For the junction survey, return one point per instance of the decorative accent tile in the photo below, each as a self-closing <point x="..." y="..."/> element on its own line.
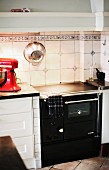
<point x="74" y="68"/>
<point x="34" y="37"/>
<point x="45" y="70"/>
<point x="92" y="53"/>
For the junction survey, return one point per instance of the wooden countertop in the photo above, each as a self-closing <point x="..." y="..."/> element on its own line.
<point x="26" y="91"/>
<point x="9" y="156"/>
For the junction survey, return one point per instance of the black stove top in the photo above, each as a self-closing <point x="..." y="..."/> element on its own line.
<point x="65" y="88"/>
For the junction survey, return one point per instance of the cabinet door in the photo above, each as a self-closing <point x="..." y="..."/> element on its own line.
<point x="13" y="106"/>
<point x="25" y="146"/>
<point x="16" y="125"/>
<point x="105" y="117"/>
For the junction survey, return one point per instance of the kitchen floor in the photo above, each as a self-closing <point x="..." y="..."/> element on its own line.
<point x="96" y="163"/>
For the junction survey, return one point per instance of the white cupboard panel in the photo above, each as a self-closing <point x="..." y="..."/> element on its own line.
<point x="30" y="163"/>
<point x="13" y="106"/>
<point x="25" y="146"/>
<point x="16" y="125"/>
<point x="105" y="117"/>
<point x="36" y="102"/>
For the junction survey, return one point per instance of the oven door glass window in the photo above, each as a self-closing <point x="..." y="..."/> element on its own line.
<point x="78" y="109"/>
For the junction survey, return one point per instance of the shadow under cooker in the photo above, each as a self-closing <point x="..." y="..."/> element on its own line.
<point x="76" y="134"/>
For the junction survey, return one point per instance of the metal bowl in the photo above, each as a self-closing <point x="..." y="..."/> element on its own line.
<point x="34" y="52"/>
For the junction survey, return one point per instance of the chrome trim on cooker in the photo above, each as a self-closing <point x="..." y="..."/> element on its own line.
<point x="79" y="101"/>
<point x="80" y="93"/>
<point x="98" y="118"/>
<point x="65" y="94"/>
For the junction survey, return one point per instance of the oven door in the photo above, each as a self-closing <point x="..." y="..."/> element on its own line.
<point x="80" y="108"/>
<point x="80" y="116"/>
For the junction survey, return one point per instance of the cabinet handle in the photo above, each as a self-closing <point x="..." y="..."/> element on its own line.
<point x="80" y="101"/>
<point x="90" y="133"/>
<point x="61" y="130"/>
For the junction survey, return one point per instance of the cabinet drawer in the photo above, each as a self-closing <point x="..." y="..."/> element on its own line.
<point x="16" y="125"/>
<point x="25" y="146"/>
<point x="12" y="106"/>
<point x="80" y="130"/>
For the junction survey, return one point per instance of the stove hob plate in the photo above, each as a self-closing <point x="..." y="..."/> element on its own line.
<point x="66" y="88"/>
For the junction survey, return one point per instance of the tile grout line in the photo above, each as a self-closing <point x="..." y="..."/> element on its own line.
<point x="102" y="163"/>
<point x="77" y="165"/>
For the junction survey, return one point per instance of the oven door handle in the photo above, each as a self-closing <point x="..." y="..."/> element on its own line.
<point x="79" y="101"/>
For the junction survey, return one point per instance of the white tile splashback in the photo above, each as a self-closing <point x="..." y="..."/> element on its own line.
<point x="68" y="56"/>
<point x="104" y="56"/>
<point x="67" y="61"/>
<point x="6" y="49"/>
<point x="37" y="77"/>
<point x="107" y="47"/>
<point x="53" y="61"/>
<point x="52" y="47"/>
<point x="52" y="76"/>
<point x="96" y="60"/>
<point x="67" y="75"/>
<point x="85" y="46"/>
<point x="96" y="46"/>
<point x="67" y="47"/>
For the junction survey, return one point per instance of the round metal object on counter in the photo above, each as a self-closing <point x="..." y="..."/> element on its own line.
<point x="34" y="52"/>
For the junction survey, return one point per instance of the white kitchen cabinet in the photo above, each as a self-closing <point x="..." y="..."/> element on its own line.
<point x="16" y="125"/>
<point x="25" y="146"/>
<point x="37" y="140"/>
<point x="14" y="106"/>
<point x="16" y="120"/>
<point x="105" y="117"/>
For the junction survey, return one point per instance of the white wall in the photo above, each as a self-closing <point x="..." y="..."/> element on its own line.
<point x="47" y="5"/>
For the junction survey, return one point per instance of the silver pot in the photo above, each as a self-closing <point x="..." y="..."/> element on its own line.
<point x="34" y="52"/>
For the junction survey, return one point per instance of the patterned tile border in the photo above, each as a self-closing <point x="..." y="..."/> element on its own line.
<point x="65" y="37"/>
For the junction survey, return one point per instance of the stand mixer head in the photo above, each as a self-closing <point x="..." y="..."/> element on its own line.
<point x="7" y="75"/>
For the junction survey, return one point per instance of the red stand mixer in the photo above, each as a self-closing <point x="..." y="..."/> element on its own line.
<point x="7" y="75"/>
